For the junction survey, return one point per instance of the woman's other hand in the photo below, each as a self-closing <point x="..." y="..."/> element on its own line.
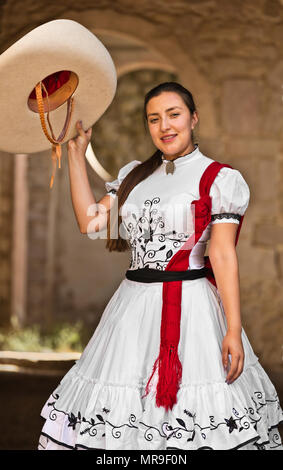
<point x="80" y="143"/>
<point x="232" y="344"/>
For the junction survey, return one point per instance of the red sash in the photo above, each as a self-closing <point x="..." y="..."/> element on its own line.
<point x="169" y="365"/>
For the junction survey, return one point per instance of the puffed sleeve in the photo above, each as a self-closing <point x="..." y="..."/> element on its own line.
<point x="230" y="196"/>
<point x="113" y="186"/>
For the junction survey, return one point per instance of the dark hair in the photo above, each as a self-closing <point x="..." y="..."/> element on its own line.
<point x="143" y="170"/>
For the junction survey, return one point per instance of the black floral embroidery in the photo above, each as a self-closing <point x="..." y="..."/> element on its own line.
<point x="226" y="215"/>
<point x="73" y="420"/>
<point x="259" y="402"/>
<point x="276" y="440"/>
<point x="189" y="414"/>
<point x="91" y="430"/>
<point x="259" y="446"/>
<point x="186" y="426"/>
<point x="231" y="423"/>
<point x="144" y="233"/>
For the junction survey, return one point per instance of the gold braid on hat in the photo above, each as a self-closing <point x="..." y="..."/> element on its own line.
<point x="56" y="143"/>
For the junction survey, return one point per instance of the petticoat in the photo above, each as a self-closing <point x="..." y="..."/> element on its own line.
<point x="98" y="403"/>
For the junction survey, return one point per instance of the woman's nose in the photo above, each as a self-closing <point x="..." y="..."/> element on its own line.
<point x="164" y="124"/>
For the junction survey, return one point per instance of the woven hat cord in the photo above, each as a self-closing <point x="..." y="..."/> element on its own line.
<point x="56" y="143"/>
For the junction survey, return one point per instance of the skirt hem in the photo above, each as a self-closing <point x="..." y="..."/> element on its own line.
<point x="81" y="446"/>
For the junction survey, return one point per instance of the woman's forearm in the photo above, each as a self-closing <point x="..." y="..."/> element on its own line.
<point x="226" y="272"/>
<point x="81" y="193"/>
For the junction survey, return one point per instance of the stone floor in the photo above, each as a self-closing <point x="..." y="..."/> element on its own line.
<point x="23" y="392"/>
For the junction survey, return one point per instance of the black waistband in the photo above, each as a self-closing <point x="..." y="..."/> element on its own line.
<point x="155" y="275"/>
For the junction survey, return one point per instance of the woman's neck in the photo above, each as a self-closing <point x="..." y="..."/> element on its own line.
<point x="174" y="157"/>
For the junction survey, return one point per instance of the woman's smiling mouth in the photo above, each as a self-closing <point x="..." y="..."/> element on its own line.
<point x="168" y="138"/>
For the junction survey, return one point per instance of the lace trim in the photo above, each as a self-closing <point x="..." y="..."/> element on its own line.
<point x="226" y="215"/>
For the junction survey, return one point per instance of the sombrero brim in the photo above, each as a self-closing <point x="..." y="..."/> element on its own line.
<point x="51" y="47"/>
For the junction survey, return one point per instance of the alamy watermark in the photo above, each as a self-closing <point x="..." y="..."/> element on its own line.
<point x="174" y="221"/>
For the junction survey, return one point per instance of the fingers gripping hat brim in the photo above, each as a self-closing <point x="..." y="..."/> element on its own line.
<point x="54" y="46"/>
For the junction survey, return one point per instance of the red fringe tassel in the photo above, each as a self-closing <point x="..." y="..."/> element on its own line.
<point x="170" y="374"/>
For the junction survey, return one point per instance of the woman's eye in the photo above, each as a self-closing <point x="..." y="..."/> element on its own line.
<point x="175" y="114"/>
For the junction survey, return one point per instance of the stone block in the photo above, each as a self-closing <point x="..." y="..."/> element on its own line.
<point x="240" y="106"/>
<point x="252" y="148"/>
<point x="268" y="235"/>
<point x="212" y="148"/>
<point x="279" y="263"/>
<point x="266" y="183"/>
<point x="227" y="67"/>
<point x="256" y="262"/>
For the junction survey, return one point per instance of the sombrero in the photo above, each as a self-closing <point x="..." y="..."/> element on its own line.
<point x="59" y="68"/>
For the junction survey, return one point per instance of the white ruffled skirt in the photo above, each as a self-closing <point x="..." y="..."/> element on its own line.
<point x="98" y="403"/>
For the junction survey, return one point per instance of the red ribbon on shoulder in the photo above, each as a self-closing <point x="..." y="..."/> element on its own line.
<point x="168" y="362"/>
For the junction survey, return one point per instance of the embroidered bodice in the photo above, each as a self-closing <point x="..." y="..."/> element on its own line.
<point x="158" y="217"/>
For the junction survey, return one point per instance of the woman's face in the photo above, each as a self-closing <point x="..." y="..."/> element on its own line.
<point x="167" y="114"/>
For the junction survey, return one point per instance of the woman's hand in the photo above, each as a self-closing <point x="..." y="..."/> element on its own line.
<point x="232" y="344"/>
<point x="80" y="143"/>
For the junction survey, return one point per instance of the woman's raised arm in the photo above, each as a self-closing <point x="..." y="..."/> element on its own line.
<point x="83" y="199"/>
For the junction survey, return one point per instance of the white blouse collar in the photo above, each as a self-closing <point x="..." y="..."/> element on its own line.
<point x="185" y="158"/>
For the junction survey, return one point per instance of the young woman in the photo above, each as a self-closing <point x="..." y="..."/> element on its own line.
<point x="169" y="365"/>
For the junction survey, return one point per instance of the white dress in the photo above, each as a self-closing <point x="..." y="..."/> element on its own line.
<point x="98" y="403"/>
